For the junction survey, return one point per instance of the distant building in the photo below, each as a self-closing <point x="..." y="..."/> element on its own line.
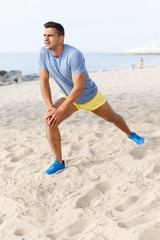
<point x="153" y="48"/>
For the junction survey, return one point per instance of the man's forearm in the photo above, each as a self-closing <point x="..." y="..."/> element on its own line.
<point x="71" y="98"/>
<point x="46" y="93"/>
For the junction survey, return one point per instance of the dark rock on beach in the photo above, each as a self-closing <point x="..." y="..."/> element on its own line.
<point x="2" y="73"/>
<point x="10" y="77"/>
<point x="30" y="77"/>
<point x="15" y="76"/>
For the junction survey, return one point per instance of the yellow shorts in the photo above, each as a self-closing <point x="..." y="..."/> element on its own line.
<point x="93" y="104"/>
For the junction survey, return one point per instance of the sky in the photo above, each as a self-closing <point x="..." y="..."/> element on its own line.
<point x="90" y="25"/>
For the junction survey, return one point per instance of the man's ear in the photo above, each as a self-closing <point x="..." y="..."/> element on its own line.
<point x="61" y="38"/>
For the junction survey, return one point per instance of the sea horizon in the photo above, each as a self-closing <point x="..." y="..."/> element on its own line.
<point x="27" y="62"/>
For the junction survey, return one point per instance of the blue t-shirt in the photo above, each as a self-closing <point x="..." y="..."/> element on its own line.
<point x="61" y="69"/>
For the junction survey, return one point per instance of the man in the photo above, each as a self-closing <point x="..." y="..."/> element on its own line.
<point x="77" y="90"/>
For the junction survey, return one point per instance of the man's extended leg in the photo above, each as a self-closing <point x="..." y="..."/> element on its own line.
<point x="105" y="111"/>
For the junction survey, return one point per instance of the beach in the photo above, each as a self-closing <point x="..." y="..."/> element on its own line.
<point x="110" y="189"/>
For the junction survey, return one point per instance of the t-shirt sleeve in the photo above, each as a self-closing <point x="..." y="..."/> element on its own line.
<point x="77" y="62"/>
<point x="41" y="61"/>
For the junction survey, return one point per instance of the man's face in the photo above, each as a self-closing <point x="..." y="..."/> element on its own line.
<point x="51" y="39"/>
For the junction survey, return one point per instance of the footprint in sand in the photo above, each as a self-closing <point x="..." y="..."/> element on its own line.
<point x="85" y="201"/>
<point x="77" y="227"/>
<point x="137" y="221"/>
<point x="98" y="135"/>
<point x="1" y="221"/>
<point x="138" y="154"/>
<point x="18" y="158"/>
<point x="78" y="146"/>
<point x="24" y="151"/>
<point x="19" y="232"/>
<point x="154" y="142"/>
<point x="73" y="229"/>
<point x="9" y="169"/>
<point x="80" y="138"/>
<point x="10" y="148"/>
<point x="130" y="201"/>
<point x="154" y="173"/>
<point x="10" y="155"/>
<point x="93" y="236"/>
<point x="92" y="163"/>
<point x="102" y="187"/>
<point x="152" y="232"/>
<point x="51" y="236"/>
<point x="153" y="205"/>
<point x="150" y="212"/>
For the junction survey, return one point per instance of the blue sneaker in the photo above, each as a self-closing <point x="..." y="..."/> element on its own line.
<point x="135" y="138"/>
<point x="55" y="167"/>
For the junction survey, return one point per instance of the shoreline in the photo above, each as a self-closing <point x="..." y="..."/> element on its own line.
<point x="27" y="63"/>
<point x="35" y="77"/>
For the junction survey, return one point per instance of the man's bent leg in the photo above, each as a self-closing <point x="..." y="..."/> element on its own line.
<point x="54" y="139"/>
<point x="53" y="133"/>
<point x="105" y="111"/>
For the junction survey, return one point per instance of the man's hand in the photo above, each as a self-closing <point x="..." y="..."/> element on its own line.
<point x="48" y="116"/>
<point x="53" y="117"/>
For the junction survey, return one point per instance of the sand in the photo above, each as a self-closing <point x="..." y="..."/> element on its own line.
<point x="110" y="189"/>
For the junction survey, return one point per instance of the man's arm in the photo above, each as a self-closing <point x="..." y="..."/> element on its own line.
<point x="45" y="87"/>
<point x="78" y="81"/>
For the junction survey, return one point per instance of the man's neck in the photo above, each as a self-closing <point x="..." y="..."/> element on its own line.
<point x="57" y="53"/>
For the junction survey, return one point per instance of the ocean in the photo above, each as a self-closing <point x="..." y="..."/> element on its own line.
<point x="95" y="62"/>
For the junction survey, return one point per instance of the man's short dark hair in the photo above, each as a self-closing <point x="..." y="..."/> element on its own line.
<point x="58" y="26"/>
